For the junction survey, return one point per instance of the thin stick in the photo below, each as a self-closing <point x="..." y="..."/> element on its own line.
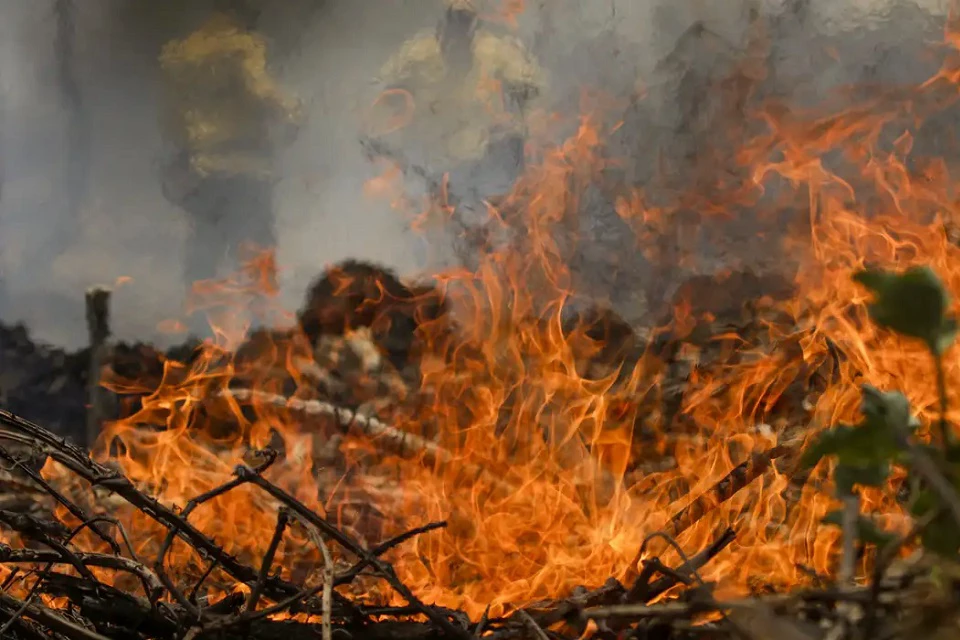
<point x="383" y="547"/>
<point x="77" y="512"/>
<point x="728" y="486"/>
<point x="327" y="598"/>
<point x="76" y="460"/>
<point x="383" y="569"/>
<point x="118" y="563"/>
<point x="98" y="331"/>
<point x="199" y="500"/>
<point x="848" y="560"/>
<point x="19" y="612"/>
<point x="643" y="592"/>
<point x="344" y="578"/>
<point x="9" y="579"/>
<point x="282" y="518"/>
<point x="390" y="439"/>
<point x="482" y="623"/>
<point x="50" y="619"/>
<point x="192" y="596"/>
<point x="532" y="625"/>
<point x="396" y="541"/>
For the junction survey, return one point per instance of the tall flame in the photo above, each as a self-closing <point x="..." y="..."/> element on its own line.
<point x="541" y="480"/>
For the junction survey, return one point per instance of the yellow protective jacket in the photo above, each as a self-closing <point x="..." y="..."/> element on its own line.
<point x="458" y="116"/>
<point x="222" y="108"/>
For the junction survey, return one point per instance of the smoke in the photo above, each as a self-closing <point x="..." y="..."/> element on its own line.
<point x="323" y="215"/>
<point x="53" y="247"/>
<point x="77" y="211"/>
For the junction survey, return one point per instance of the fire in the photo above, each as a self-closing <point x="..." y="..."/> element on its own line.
<point x="507" y="12"/>
<point x="535" y="465"/>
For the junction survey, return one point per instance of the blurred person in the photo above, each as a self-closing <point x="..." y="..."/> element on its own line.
<point x="224" y="119"/>
<point x="455" y="100"/>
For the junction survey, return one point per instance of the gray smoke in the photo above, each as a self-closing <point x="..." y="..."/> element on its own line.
<point x="80" y="200"/>
<point x="53" y="247"/>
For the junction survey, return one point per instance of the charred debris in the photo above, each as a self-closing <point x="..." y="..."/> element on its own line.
<point x="155" y="607"/>
<point x="48" y="384"/>
<point x="356" y="384"/>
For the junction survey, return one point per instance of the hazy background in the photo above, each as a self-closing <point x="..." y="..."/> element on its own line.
<point x="103" y="217"/>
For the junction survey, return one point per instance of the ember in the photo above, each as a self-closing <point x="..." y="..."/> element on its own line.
<point x="493" y="452"/>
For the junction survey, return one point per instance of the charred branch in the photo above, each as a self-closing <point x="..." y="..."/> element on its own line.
<point x="185" y="614"/>
<point x="98" y="330"/>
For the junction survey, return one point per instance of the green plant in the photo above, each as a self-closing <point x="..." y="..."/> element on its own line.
<point x="914" y="304"/>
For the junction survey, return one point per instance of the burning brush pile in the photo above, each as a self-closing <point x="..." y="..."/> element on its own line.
<point x="485" y="454"/>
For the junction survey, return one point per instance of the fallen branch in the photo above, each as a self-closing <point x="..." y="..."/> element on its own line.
<point x="327" y="599"/>
<point x="728" y="486"/>
<point x="77" y="461"/>
<point x="186" y="613"/>
<point x="74" y="509"/>
<point x="390" y="439"/>
<point x="382" y="568"/>
<point x="118" y="563"/>
<point x="825" y="599"/>
<point x="643" y="591"/>
<point x="48" y="618"/>
<point x="282" y="519"/>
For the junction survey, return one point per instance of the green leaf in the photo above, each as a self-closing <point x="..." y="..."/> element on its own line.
<point x="863" y="446"/>
<point x="865" y="452"/>
<point x="868" y="475"/>
<point x="891" y="408"/>
<point x="913" y="303"/>
<point x="941" y="536"/>
<point x="829" y="442"/>
<point x="868" y="531"/>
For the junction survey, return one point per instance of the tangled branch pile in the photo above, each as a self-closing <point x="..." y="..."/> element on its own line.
<point x="108" y="587"/>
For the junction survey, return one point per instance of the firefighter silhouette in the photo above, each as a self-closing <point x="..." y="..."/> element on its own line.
<point x="225" y="119"/>
<point x="454" y="100"/>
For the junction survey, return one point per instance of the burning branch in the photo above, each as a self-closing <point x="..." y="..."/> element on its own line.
<point x="78" y="462"/>
<point x="184" y="614"/>
<point x="166" y="612"/>
<point x="741" y="476"/>
<point x="643" y="591"/>
<point x="390" y="439"/>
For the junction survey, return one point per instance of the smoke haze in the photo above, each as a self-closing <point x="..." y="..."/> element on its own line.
<point x="78" y="210"/>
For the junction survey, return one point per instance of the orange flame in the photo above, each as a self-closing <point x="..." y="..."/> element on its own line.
<point x="543" y="481"/>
